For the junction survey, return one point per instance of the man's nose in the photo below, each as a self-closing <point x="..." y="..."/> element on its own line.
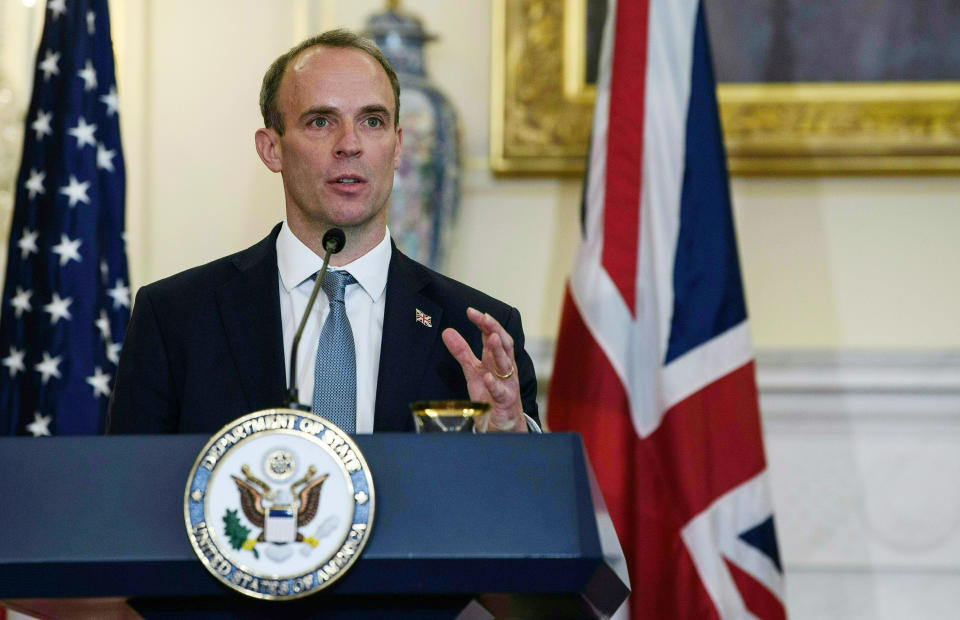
<point x="348" y="144"/>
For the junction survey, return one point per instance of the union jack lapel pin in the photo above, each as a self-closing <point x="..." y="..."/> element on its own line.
<point x="424" y="319"/>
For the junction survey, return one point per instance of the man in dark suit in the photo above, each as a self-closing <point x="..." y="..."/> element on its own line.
<point x="212" y="343"/>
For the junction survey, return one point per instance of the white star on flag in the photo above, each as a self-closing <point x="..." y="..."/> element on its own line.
<point x="49" y="65"/>
<point x="120" y="295"/>
<point x="59" y="308"/>
<point x="83" y="133"/>
<point x="28" y="243"/>
<point x="100" y="382"/>
<point x="58" y="7"/>
<point x="89" y="76"/>
<point x="21" y="302"/>
<point x="111" y="101"/>
<point x="49" y="367"/>
<point x="113" y="352"/>
<point x="103" y="324"/>
<point x="76" y="190"/>
<point x="40" y="427"/>
<point x="14" y="361"/>
<point x="64" y="249"/>
<point x="34" y="184"/>
<point x="67" y="249"/>
<point x="105" y="158"/>
<point x="42" y="124"/>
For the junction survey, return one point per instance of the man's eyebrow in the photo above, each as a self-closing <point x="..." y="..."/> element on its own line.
<point x="376" y="108"/>
<point x="318" y="111"/>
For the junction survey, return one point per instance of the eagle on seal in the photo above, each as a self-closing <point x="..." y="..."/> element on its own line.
<point x="276" y="519"/>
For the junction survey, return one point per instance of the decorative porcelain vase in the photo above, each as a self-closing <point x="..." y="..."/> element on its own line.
<point x="426" y="188"/>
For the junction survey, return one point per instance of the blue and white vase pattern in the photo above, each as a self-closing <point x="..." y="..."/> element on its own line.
<point x="426" y="187"/>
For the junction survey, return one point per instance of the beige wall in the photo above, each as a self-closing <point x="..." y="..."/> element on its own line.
<point x="829" y="262"/>
<point x="852" y="263"/>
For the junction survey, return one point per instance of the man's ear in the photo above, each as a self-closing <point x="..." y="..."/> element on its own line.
<point x="268" y="147"/>
<point x="398" y="152"/>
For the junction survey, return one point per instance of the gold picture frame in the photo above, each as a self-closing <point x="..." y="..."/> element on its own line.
<point x="541" y="115"/>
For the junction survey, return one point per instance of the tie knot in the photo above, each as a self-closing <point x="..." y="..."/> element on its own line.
<point x="334" y="284"/>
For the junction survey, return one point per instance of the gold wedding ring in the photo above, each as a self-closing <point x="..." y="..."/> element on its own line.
<point x="506" y="376"/>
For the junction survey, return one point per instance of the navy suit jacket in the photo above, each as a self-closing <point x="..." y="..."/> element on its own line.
<point x="205" y="346"/>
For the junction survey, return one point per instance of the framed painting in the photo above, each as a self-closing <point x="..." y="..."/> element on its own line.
<point x="824" y="87"/>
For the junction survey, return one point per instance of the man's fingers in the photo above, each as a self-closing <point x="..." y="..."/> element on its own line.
<point x="476" y="317"/>
<point x="501" y="359"/>
<point x="506" y="337"/>
<point x="498" y="391"/>
<point x="503" y="342"/>
<point x="488" y="326"/>
<point x="459" y="348"/>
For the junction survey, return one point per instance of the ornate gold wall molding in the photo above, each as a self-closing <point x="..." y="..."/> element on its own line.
<point x="534" y="126"/>
<point x="833" y="128"/>
<point x="539" y="126"/>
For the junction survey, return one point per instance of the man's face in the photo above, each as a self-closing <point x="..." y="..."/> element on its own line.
<point x="341" y="144"/>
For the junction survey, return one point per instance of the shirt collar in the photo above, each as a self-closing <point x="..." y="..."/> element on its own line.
<point x="297" y="263"/>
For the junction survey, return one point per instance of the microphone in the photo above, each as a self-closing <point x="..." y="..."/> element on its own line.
<point x="333" y="241"/>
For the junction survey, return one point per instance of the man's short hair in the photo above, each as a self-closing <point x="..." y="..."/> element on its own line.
<point x="341" y="38"/>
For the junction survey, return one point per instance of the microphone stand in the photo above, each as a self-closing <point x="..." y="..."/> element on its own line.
<point x="333" y="242"/>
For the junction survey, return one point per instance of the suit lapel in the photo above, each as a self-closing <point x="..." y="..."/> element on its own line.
<point x="250" y="312"/>
<point x="406" y="344"/>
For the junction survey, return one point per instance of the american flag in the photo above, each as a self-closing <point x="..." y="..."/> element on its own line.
<point x="66" y="300"/>
<point x="654" y="365"/>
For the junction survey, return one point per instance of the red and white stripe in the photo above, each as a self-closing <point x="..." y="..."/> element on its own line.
<point x="677" y="448"/>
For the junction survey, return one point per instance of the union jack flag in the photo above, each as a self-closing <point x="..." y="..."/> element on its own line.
<point x="424" y="318"/>
<point x="654" y="365"/>
<point x="66" y="299"/>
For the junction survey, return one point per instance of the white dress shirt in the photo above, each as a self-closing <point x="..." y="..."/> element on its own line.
<point x="365" y="302"/>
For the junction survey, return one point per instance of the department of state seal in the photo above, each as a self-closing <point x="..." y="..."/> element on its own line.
<point x="279" y="504"/>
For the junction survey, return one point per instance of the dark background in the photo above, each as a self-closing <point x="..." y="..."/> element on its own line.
<point x="822" y="40"/>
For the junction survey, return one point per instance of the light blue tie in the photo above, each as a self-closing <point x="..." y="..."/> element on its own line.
<point x="335" y="374"/>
